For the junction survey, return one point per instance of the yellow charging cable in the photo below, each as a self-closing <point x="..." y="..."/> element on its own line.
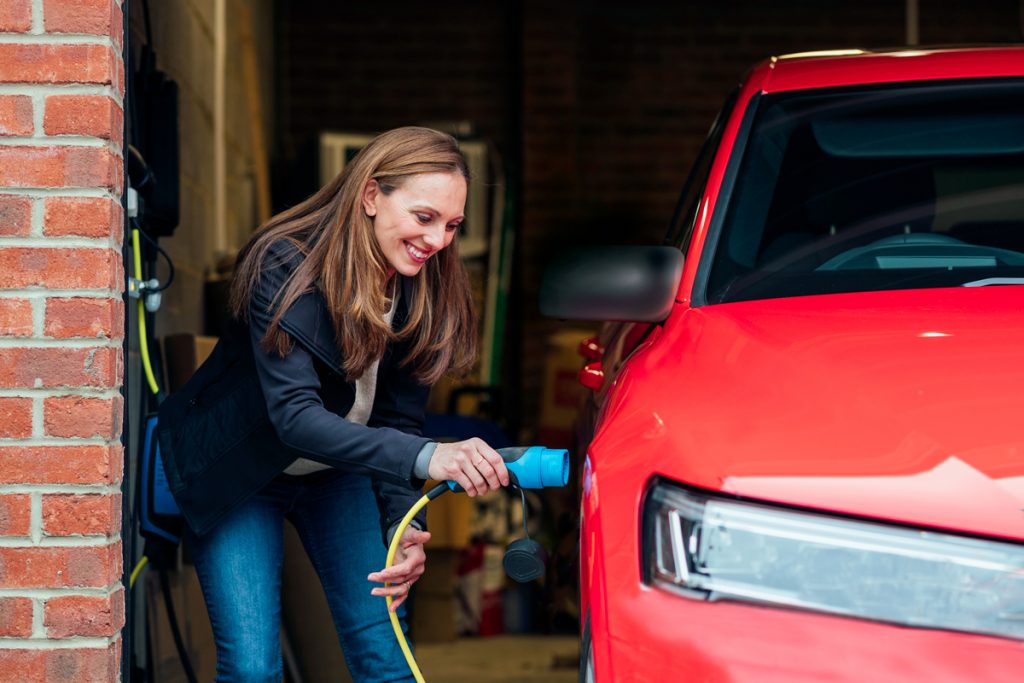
<point x="135" y="572"/>
<point x="143" y="343"/>
<point x="146" y="364"/>
<point x="392" y="550"/>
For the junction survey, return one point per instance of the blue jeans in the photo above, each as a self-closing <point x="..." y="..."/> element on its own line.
<point x="239" y="567"/>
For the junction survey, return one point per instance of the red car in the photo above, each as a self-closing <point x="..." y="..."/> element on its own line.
<point x="808" y="454"/>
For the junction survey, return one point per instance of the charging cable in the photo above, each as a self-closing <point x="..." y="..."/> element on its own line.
<point x="535" y="467"/>
<point x="136" y="289"/>
<point x="392" y="550"/>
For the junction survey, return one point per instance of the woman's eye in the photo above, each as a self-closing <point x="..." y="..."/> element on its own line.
<point x="423" y="218"/>
<point x="453" y="226"/>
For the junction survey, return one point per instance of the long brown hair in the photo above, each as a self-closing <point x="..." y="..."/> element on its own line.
<point x="341" y="258"/>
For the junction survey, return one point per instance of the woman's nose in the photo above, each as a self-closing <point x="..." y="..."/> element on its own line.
<point x="434" y="236"/>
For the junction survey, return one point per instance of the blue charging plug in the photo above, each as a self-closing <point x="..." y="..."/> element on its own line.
<point x="533" y="467"/>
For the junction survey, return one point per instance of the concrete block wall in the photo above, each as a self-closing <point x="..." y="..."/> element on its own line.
<point x="61" y="331"/>
<point x="184" y="42"/>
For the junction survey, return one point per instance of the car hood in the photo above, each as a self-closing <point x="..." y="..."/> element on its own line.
<point x="905" y="406"/>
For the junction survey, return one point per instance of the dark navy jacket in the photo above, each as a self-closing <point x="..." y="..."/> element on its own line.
<point x="246" y="414"/>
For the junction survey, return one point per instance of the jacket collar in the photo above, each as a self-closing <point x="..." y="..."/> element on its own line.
<point x="309" y="322"/>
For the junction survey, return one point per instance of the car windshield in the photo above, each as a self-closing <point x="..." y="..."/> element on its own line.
<point x="889" y="187"/>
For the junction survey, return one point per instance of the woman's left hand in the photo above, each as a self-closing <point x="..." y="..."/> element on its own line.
<point x="409" y="565"/>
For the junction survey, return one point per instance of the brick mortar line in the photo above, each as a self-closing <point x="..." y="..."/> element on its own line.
<point x="70" y="541"/>
<point x="44" y="192"/>
<point x="36" y="517"/>
<point x="53" y="442"/>
<point x="47" y="593"/>
<point x="61" y="140"/>
<point x="38" y="25"/>
<point x="55" y="38"/>
<point x="47" y="89"/>
<point x="38" y="428"/>
<point x="73" y="90"/>
<point x="35" y="292"/>
<point x="60" y="489"/>
<point x="76" y="343"/>
<point x="59" y="241"/>
<point x="38" y="112"/>
<point x="74" y="643"/>
<point x="38" y="317"/>
<point x="64" y="391"/>
<point x="38" y="213"/>
<point x="38" y="621"/>
<point x="14" y="343"/>
<point x="57" y="392"/>
<point x="44" y="294"/>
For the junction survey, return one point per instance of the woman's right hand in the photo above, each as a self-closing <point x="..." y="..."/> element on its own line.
<point x="472" y="464"/>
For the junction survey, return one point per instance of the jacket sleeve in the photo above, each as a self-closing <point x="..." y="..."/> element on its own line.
<point x="291" y="387"/>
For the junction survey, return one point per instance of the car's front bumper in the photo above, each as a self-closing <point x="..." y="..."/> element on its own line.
<point x="642" y="633"/>
<point x="654" y="636"/>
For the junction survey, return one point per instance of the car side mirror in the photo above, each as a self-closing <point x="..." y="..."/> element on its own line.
<point x="626" y="284"/>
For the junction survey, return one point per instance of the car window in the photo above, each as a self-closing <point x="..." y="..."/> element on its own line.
<point x="889" y="187"/>
<point x="685" y="216"/>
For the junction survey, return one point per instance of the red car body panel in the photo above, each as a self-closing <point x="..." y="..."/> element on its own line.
<point x="919" y="417"/>
<point x="920" y="422"/>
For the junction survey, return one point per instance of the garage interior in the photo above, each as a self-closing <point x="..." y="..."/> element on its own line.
<point x="580" y="121"/>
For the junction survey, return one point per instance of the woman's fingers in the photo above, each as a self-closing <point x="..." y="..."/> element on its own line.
<point x="410" y="566"/>
<point x="398" y="592"/>
<point x="477" y="484"/>
<point x="397" y="602"/>
<point x="491" y="466"/>
<point x="398" y="589"/>
<point x="414" y="536"/>
<point x="496" y="462"/>
<point x="397" y="573"/>
<point x="474" y="465"/>
<point x="394" y="590"/>
<point x="394" y="574"/>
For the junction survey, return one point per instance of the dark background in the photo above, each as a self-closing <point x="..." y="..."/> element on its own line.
<point x="598" y="108"/>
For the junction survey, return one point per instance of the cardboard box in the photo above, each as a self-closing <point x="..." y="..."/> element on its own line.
<point x="184" y="353"/>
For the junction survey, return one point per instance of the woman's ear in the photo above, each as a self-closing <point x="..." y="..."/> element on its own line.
<point x="370" y="194"/>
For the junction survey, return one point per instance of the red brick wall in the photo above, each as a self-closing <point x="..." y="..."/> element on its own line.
<point x="369" y="67"/>
<point x="61" y="330"/>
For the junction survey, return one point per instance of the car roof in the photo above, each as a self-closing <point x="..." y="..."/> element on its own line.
<point x="829" y="68"/>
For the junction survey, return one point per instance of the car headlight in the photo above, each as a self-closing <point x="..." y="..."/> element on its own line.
<point x="715" y="548"/>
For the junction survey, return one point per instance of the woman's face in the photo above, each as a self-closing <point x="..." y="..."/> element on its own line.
<point x="417" y="220"/>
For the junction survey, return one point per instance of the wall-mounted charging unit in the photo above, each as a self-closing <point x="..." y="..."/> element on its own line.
<point x="159" y="515"/>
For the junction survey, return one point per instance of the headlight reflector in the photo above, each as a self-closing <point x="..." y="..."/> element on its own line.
<point x="715" y="548"/>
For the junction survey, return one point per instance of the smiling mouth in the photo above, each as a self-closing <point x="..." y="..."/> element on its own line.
<point x="417" y="255"/>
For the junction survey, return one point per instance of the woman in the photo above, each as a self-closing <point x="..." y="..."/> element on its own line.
<point x="346" y="309"/>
